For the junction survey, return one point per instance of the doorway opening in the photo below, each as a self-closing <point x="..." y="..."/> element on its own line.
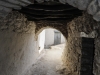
<point x="51" y="44"/>
<point x="50" y="38"/>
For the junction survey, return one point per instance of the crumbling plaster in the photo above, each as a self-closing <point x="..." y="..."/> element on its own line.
<point x="18" y="48"/>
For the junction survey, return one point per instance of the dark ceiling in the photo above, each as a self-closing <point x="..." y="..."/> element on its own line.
<point x="50" y="11"/>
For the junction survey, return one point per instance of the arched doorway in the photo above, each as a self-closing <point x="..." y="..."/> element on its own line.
<point x="50" y="37"/>
<point x="50" y="59"/>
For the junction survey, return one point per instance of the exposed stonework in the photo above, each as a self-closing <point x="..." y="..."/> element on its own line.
<point x="61" y="26"/>
<point x="17" y="22"/>
<point x="87" y="24"/>
<point x="97" y="51"/>
<point x="18" y="46"/>
<point x="72" y="52"/>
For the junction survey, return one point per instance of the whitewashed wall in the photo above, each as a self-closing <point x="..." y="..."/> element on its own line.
<point x="46" y="38"/>
<point x="62" y="39"/>
<point x="41" y="40"/>
<point x="18" y="47"/>
<point x="49" y="37"/>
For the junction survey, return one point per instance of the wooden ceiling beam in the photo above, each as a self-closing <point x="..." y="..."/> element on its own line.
<point x="58" y="19"/>
<point x="44" y="15"/>
<point x="42" y="18"/>
<point x="44" y="12"/>
<point x="51" y="12"/>
<point x="50" y="7"/>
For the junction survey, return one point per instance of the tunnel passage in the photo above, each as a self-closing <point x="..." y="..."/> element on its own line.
<point x="49" y="64"/>
<point x="15" y="25"/>
<point x="57" y="15"/>
<point x="72" y="52"/>
<point x="61" y="26"/>
<point x="62" y="19"/>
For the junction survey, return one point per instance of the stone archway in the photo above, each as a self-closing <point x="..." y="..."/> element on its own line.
<point x="61" y="26"/>
<point x="72" y="30"/>
<point x="53" y="51"/>
<point x="72" y="53"/>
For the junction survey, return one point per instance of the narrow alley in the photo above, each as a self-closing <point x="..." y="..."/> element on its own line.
<point x="27" y="44"/>
<point x="49" y="63"/>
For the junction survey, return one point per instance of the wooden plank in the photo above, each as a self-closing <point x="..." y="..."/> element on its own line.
<point x="50" y="7"/>
<point x="58" y="19"/>
<point x="45" y="17"/>
<point x="49" y="15"/>
<point x="44" y="12"/>
<point x="49" y="18"/>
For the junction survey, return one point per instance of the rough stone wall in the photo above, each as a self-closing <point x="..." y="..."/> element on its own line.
<point x="87" y="25"/>
<point x="72" y="52"/>
<point x="61" y="26"/>
<point x="17" y="22"/>
<point x="17" y="44"/>
<point x="97" y="51"/>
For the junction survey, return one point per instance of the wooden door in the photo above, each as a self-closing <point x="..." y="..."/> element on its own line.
<point x="87" y="56"/>
<point x="57" y="38"/>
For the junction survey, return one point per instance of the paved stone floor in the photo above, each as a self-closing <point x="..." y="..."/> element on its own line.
<point x="48" y="64"/>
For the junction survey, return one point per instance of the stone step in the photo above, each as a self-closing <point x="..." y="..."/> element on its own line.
<point x="55" y="47"/>
<point x="59" y="47"/>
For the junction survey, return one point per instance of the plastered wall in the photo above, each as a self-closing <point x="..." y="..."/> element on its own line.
<point x="18" y="47"/>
